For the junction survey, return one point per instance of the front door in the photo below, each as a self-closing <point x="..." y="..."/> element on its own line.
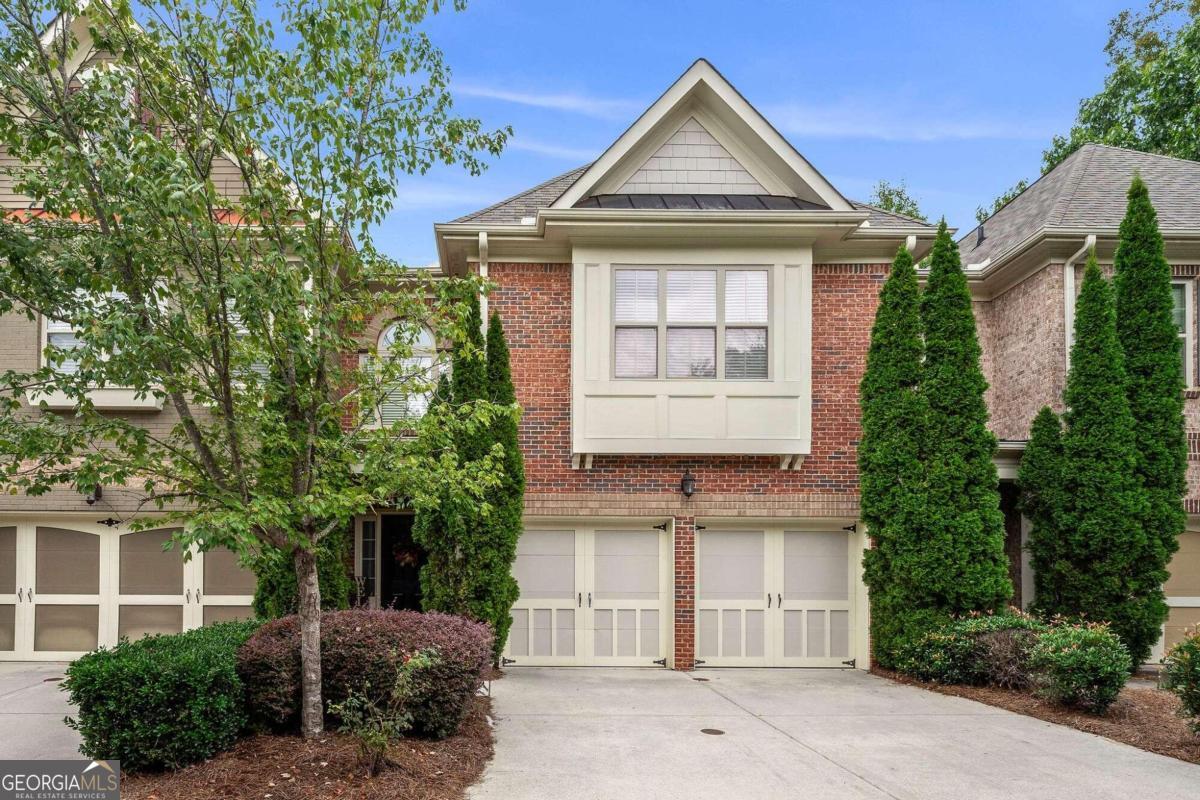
<point x="400" y="564"/>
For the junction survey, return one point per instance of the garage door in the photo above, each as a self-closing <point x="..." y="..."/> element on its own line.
<point x="590" y="597"/>
<point x="67" y="587"/>
<point x="774" y="598"/>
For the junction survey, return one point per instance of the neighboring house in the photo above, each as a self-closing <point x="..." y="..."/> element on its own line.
<point x="688" y="318"/>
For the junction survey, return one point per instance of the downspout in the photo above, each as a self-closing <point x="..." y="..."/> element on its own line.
<point x="483" y="273"/>
<point x="910" y="242"/>
<point x="1069" y="294"/>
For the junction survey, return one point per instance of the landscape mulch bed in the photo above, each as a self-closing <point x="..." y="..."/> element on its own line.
<point x="292" y="768"/>
<point x="1143" y="716"/>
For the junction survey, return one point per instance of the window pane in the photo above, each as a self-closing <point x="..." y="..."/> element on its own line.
<point x="745" y="296"/>
<point x="637" y="295"/>
<point x="745" y="353"/>
<point x="1180" y="311"/>
<point x="65" y="341"/>
<point x="691" y="353"/>
<point x="637" y="352"/>
<point x="691" y="296"/>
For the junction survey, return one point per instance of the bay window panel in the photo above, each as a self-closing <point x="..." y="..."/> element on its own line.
<point x="636" y="296"/>
<point x="745" y="296"/>
<point x="636" y="352"/>
<point x="691" y="352"/>
<point x="691" y="296"/>
<point x="745" y="353"/>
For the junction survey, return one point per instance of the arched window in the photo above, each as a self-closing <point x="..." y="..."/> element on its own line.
<point x="417" y="365"/>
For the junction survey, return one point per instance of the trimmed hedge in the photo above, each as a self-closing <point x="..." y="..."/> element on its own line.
<point x="360" y="651"/>
<point x="161" y="702"/>
<point x="1181" y="675"/>
<point x="976" y="650"/>
<point x="1084" y="666"/>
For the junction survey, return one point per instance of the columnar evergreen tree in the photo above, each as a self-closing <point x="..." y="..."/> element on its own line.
<point x="889" y="455"/>
<point x="504" y="525"/>
<point x="1150" y="343"/>
<point x="959" y="561"/>
<point x="1042" y="499"/>
<point x="1091" y="565"/>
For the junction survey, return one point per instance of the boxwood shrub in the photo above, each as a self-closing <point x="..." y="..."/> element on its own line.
<point x="1181" y="674"/>
<point x="1084" y="666"/>
<point x="360" y="649"/>
<point x="161" y="702"/>
<point x="980" y="649"/>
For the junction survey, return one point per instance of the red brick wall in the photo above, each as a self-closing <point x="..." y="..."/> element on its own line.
<point x="534" y="300"/>
<point x="685" y="593"/>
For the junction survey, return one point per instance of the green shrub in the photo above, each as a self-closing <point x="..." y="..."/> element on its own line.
<point x="980" y="649"/>
<point x="359" y="653"/>
<point x="1181" y="675"/>
<point x="1084" y="666"/>
<point x="375" y="720"/>
<point x="161" y="702"/>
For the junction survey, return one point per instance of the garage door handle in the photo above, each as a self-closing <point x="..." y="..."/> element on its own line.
<point x="20" y="594"/>
<point x="189" y="595"/>
<point x="581" y="599"/>
<point x="768" y="599"/>
<point x="589" y="599"/>
<point x="779" y="601"/>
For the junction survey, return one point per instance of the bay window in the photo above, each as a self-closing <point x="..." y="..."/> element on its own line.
<point x="696" y="323"/>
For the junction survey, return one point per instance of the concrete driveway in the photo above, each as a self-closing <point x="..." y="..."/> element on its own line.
<point x="32" y="708"/>
<point x="810" y="734"/>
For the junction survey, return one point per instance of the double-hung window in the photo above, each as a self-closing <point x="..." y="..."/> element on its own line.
<point x="64" y="339"/>
<point x="1181" y="292"/>
<point x="691" y="323"/>
<point x="417" y="368"/>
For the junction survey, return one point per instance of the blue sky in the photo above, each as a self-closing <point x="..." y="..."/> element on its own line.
<point x="956" y="98"/>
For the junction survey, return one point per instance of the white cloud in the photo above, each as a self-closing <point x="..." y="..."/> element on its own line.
<point x="587" y="105"/>
<point x="898" y="120"/>
<point x="579" y="155"/>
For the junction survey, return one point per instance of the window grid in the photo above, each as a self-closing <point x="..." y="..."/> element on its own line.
<point x="1181" y="292"/>
<point x="663" y="323"/>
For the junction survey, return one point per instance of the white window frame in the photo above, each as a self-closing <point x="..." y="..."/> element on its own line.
<point x="662" y="324"/>
<point x="1188" y="336"/>
<point x="382" y="352"/>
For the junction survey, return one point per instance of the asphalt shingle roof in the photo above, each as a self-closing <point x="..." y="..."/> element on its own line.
<point x="1087" y="190"/>
<point x="527" y="203"/>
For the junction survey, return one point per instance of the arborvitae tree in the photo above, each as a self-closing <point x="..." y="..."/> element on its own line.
<point x="504" y="524"/>
<point x="958" y="564"/>
<point x="276" y="593"/>
<point x="1150" y="343"/>
<point x="1042" y="500"/>
<point x="451" y="532"/>
<point x="1092" y="568"/>
<point x="889" y="455"/>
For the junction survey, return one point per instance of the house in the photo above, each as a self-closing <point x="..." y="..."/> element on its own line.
<point x="688" y="318"/>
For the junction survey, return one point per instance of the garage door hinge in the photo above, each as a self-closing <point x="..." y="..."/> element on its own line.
<point x="662" y="662"/>
<point x="849" y="663"/>
<point x="697" y="662"/>
<point x="504" y="662"/>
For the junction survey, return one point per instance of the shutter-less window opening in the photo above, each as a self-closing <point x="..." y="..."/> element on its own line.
<point x="692" y="296"/>
<point x="745" y="297"/>
<point x="636" y="295"/>
<point x="691" y="352"/>
<point x="1180" y="316"/>
<point x="61" y="337"/>
<point x="745" y="353"/>
<point x="398" y="405"/>
<point x="636" y="352"/>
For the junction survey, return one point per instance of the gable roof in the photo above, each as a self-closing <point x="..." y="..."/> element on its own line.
<point x="525" y="205"/>
<point x="1087" y="191"/>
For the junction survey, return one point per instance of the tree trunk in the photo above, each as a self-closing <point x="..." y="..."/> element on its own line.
<point x="312" y="714"/>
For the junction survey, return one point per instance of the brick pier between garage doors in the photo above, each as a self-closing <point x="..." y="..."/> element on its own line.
<point x="686" y="592"/>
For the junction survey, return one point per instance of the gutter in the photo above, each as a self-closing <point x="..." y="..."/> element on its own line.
<point x="1089" y="243"/>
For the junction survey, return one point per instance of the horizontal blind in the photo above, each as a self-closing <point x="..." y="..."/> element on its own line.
<point x="745" y="296"/>
<point x="636" y="295"/>
<point x="745" y="353"/>
<point x="691" y="352"/>
<point x="66" y="342"/>
<point x="636" y="352"/>
<point x="691" y="296"/>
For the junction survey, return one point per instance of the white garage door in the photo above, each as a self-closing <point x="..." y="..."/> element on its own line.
<point x="67" y="587"/>
<point x="774" y="598"/>
<point x="591" y="597"/>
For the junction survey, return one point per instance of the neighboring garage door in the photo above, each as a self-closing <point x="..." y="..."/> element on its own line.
<point x="67" y="587"/>
<point x="1183" y="590"/>
<point x="591" y="596"/>
<point x="774" y="598"/>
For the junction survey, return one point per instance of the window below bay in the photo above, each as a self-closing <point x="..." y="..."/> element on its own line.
<point x="707" y="323"/>
<point x="1181" y="292"/>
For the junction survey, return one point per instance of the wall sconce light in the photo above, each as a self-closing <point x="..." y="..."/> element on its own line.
<point x="94" y="495"/>
<point x="687" y="484"/>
